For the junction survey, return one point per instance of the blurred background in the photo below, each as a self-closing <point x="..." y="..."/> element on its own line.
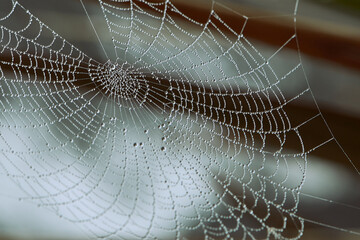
<point x="328" y="34"/>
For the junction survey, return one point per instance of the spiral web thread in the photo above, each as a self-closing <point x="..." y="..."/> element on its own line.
<point x="182" y="134"/>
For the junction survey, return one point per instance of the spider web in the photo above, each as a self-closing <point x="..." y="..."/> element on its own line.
<point x="182" y="131"/>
